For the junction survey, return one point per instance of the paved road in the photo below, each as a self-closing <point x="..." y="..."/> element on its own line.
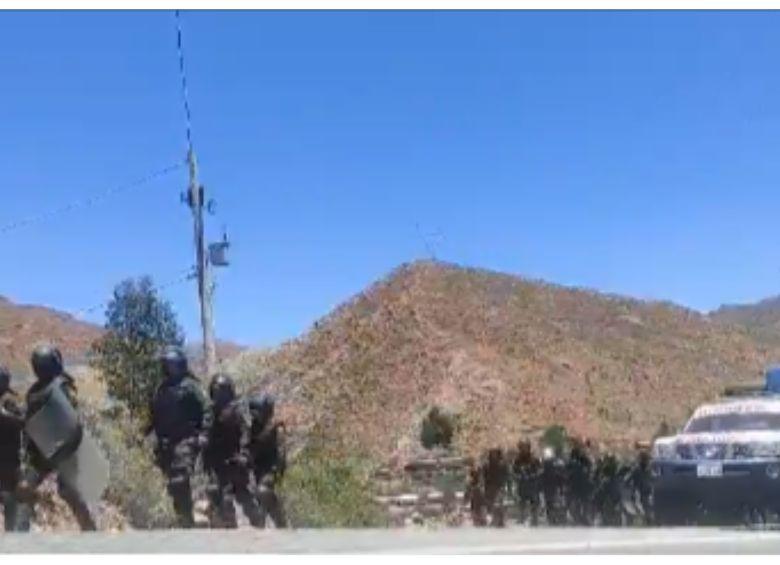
<point x="445" y="541"/>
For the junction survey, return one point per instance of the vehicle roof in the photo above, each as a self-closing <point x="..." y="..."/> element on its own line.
<point x="766" y="404"/>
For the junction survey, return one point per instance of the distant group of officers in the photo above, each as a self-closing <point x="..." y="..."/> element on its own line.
<point x="237" y="440"/>
<point x="561" y="488"/>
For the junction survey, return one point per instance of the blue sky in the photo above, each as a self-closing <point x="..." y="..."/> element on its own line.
<point x="628" y="152"/>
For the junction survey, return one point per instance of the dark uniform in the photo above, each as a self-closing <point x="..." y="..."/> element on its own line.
<point x="495" y="475"/>
<point x="580" y="485"/>
<point x="267" y="456"/>
<point x="180" y="420"/>
<point x="640" y="484"/>
<point x="527" y="471"/>
<point x="608" y="496"/>
<point x="50" y="374"/>
<point x="11" y="425"/>
<point x="553" y="480"/>
<point x="475" y="497"/>
<point x="226" y="458"/>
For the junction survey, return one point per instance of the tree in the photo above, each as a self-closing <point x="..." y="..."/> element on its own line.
<point x="557" y="438"/>
<point x="138" y="323"/>
<point x="437" y="429"/>
<point x="664" y="430"/>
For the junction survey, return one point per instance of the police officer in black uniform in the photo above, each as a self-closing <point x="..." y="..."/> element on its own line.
<point x="180" y="419"/>
<point x="608" y="495"/>
<point x="553" y="480"/>
<point x="527" y="471"/>
<point x="474" y="496"/>
<point x="641" y="481"/>
<point x="495" y="476"/>
<point x="52" y="380"/>
<point x="579" y="484"/>
<point x="11" y="426"/>
<point x="227" y="459"/>
<point x="268" y="456"/>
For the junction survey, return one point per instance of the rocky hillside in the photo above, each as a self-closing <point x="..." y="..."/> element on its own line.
<point x="762" y="319"/>
<point x="509" y="355"/>
<point x="22" y="327"/>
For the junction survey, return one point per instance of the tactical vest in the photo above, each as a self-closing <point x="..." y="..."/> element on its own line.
<point x="177" y="412"/>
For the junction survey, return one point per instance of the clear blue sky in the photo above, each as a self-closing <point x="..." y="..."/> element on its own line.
<point x="636" y="153"/>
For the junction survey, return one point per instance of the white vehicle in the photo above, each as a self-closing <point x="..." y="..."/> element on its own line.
<point x="725" y="463"/>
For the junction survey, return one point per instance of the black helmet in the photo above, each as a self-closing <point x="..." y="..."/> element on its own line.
<point x="261" y="406"/>
<point x="221" y="389"/>
<point x="5" y="380"/>
<point x="46" y="362"/>
<point x="174" y="362"/>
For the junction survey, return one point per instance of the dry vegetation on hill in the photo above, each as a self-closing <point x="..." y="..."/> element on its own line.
<point x="22" y="327"/>
<point x="509" y="355"/>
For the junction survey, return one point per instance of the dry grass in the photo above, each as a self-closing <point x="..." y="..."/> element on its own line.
<point x="510" y="356"/>
<point x="22" y="327"/>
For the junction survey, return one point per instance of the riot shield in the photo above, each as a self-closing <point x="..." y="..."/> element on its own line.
<point x="86" y="470"/>
<point x="55" y="429"/>
<point x="55" y="425"/>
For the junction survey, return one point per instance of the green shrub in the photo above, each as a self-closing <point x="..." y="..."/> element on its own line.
<point x="438" y="429"/>
<point x="138" y="323"/>
<point x="322" y="490"/>
<point x="136" y="485"/>
<point x="557" y="438"/>
<point x="664" y="430"/>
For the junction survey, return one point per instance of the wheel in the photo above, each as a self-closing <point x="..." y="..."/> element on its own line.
<point x="754" y="518"/>
<point x="669" y="512"/>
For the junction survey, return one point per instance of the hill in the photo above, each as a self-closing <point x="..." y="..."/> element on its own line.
<point x="762" y="319"/>
<point x="22" y="327"/>
<point x="508" y="355"/>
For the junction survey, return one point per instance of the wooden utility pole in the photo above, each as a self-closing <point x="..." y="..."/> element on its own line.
<point x="196" y="199"/>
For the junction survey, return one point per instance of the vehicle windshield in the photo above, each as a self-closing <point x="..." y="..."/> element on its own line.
<point x="754" y="421"/>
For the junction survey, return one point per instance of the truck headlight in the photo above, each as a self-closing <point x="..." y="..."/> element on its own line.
<point x="764" y="450"/>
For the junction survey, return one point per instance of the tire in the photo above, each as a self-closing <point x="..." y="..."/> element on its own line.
<point x="669" y="512"/>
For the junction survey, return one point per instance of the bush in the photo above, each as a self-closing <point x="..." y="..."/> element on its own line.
<point x="664" y="430"/>
<point x="136" y="485"/>
<point x="138" y="324"/>
<point x="322" y="490"/>
<point x="437" y="430"/>
<point x="557" y="438"/>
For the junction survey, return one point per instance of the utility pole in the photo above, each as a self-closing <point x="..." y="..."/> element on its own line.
<point x="196" y="198"/>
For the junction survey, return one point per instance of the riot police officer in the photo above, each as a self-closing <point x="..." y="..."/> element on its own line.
<point x="180" y="420"/>
<point x="527" y="470"/>
<point x="640" y="483"/>
<point x="495" y="475"/>
<point x="226" y="458"/>
<point x="579" y="483"/>
<point x="474" y="496"/>
<point x="54" y="391"/>
<point x="608" y="495"/>
<point x="268" y="457"/>
<point x="15" y="516"/>
<point x="553" y="480"/>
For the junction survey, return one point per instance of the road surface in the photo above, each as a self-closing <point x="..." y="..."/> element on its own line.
<point x="399" y="541"/>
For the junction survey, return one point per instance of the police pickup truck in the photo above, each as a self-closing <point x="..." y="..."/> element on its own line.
<point x="724" y="465"/>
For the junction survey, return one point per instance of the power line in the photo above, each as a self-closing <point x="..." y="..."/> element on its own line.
<point x="183" y="74"/>
<point x="183" y="276"/>
<point x="87" y="202"/>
